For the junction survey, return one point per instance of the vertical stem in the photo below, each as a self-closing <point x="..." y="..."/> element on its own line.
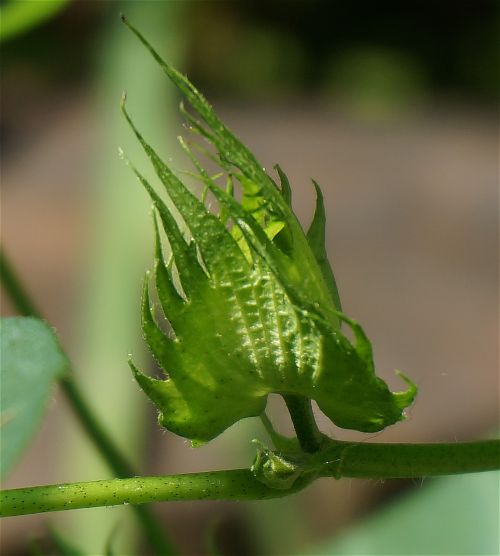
<point x="21" y="300"/>
<point x="308" y="434"/>
<point x="101" y="439"/>
<point x="115" y="460"/>
<point x="108" y="319"/>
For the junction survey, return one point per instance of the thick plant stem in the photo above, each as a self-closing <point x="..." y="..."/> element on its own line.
<point x="407" y="461"/>
<point x="238" y="484"/>
<point x="308" y="434"/>
<point x="102" y="441"/>
<point x="342" y="459"/>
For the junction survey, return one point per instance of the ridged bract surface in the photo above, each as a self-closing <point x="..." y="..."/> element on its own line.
<point x="250" y="299"/>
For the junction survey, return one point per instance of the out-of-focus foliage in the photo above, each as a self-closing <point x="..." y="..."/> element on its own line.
<point x="31" y="361"/>
<point x="452" y="515"/>
<point x="446" y="48"/>
<point x="374" y="83"/>
<point x="65" y="547"/>
<point x="19" y="16"/>
<point x="274" y="50"/>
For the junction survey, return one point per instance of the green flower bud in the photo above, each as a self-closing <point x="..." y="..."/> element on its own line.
<point x="251" y="299"/>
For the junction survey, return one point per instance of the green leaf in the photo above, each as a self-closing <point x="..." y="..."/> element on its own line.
<point x="19" y="17"/>
<point x="446" y="516"/>
<point x="64" y="547"/>
<point x="250" y="299"/>
<point x="31" y="361"/>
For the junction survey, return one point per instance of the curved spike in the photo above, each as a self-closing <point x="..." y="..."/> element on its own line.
<point x="161" y="392"/>
<point x="406" y="397"/>
<point x="221" y="137"/>
<point x="190" y="271"/>
<point x="215" y="243"/>
<point x="195" y="125"/>
<point x="170" y="299"/>
<point x="316" y="239"/>
<point x="162" y="348"/>
<point x="286" y="191"/>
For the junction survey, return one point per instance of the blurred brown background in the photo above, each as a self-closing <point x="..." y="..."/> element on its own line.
<point x="390" y="106"/>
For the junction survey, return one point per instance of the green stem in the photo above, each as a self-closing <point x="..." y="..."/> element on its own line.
<point x="109" y="451"/>
<point x="237" y="484"/>
<point x="304" y="423"/>
<point x="116" y="462"/>
<point x="406" y="461"/>
<point x="13" y="286"/>
<point x="101" y="439"/>
<point x="342" y="459"/>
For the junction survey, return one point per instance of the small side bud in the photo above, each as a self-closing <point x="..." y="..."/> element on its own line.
<point x="274" y="470"/>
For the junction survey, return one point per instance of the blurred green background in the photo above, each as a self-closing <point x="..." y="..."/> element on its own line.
<point x="392" y="107"/>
